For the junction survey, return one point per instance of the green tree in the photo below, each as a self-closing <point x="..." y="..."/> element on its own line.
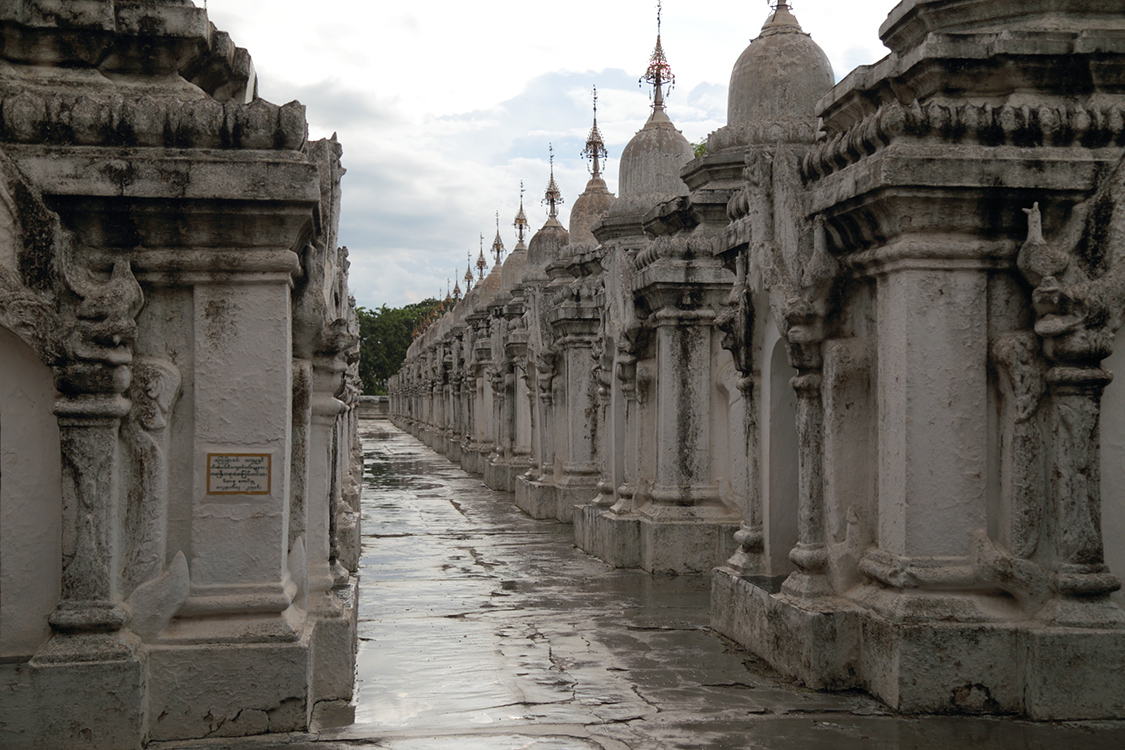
<point x="384" y="336"/>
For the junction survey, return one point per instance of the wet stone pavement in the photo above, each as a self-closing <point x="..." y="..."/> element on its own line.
<point x="483" y="629"/>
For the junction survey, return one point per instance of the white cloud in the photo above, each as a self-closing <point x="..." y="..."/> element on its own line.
<point x="443" y="112"/>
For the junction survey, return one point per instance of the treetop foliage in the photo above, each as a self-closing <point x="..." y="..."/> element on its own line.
<point x="384" y="336"/>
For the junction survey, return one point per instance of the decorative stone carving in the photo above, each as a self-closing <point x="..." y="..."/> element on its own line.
<point x="1079" y="301"/>
<point x="153" y="393"/>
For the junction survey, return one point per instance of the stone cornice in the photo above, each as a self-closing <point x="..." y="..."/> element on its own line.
<point x="170" y="173"/>
<point x="128" y="36"/>
<point x="979" y="189"/>
<point x="966" y="123"/>
<point x="911" y="21"/>
<point x="99" y="118"/>
<point x="988" y="67"/>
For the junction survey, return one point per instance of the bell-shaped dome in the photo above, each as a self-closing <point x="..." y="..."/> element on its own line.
<point x="651" y="162"/>
<point x="489" y="287"/>
<point x="548" y="242"/>
<point x="546" y="245"/>
<point x="780" y="76"/>
<point x="514" y="268"/>
<point x="588" y="210"/>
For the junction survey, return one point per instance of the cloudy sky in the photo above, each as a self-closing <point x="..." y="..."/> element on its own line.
<point x="443" y="107"/>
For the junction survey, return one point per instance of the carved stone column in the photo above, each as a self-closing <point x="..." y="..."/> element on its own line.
<point x="810" y="555"/>
<point x="627" y="374"/>
<point x="737" y="324"/>
<point x="686" y="526"/>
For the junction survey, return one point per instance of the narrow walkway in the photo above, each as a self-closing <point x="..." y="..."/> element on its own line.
<point x="482" y="629"/>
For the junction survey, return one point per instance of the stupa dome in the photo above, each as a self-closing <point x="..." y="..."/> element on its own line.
<point x="780" y="76"/>
<point x="546" y="245"/>
<point x="548" y="242"/>
<point x="588" y="210"/>
<point x="652" y="160"/>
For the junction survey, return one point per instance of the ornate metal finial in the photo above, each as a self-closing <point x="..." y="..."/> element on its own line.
<point x="659" y="71"/>
<point x="457" y="291"/>
<point x="595" y="147"/>
<point x="481" y="262"/>
<point x="521" y="223"/>
<point x="498" y="244"/>
<point x="554" y="196"/>
<point x="448" y="295"/>
<point x="468" y="271"/>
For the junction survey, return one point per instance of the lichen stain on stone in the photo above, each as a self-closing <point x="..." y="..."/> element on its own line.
<point x="39" y="230"/>
<point x="122" y="174"/>
<point x="218" y="323"/>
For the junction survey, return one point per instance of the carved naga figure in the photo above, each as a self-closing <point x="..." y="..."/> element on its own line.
<point x="1079" y="302"/>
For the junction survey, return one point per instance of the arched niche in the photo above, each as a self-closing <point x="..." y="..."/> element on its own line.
<point x="781" y="488"/>
<point x="30" y="499"/>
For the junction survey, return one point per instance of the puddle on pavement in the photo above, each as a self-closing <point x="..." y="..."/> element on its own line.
<point x="491" y="630"/>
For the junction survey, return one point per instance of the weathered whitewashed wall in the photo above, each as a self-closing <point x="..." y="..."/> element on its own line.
<point x="912" y="280"/>
<point x="179" y="487"/>
<point x="30" y="500"/>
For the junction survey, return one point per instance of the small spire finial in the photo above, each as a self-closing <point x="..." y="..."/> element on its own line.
<point x="553" y="196"/>
<point x="595" y="149"/>
<point x="521" y="224"/>
<point x="659" y="71"/>
<point x="481" y="262"/>
<point x="468" y="271"/>
<point x="498" y="244"/>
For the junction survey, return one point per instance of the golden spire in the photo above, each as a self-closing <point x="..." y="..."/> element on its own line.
<point x="659" y="71"/>
<point x="554" y="196"/>
<point x="498" y="244"/>
<point x="521" y="224"/>
<point x="595" y="147"/>
<point x="481" y="262"/>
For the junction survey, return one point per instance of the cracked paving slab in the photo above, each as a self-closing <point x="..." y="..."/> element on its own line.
<point x="482" y="628"/>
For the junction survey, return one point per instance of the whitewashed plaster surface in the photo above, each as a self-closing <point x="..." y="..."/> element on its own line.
<point x="30" y="499"/>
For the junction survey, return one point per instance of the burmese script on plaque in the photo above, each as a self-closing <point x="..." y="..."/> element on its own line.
<point x="238" y="474"/>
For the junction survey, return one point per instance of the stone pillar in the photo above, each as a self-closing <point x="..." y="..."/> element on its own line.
<point x="627" y="374"/>
<point x="810" y="555"/>
<point x="932" y="354"/>
<point x="239" y="538"/>
<point x="578" y="482"/>
<point x="685" y="527"/>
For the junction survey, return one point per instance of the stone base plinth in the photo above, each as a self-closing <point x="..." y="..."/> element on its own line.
<point x="658" y="539"/>
<point x="333" y="646"/>
<point x="348" y="534"/>
<point x="1072" y="673"/>
<point x="501" y="475"/>
<point x="229" y="690"/>
<point x="571" y="496"/>
<point x="939" y="667"/>
<point x="925" y="666"/>
<point x="614" y="539"/>
<point x="56" y="702"/>
<point x="472" y="461"/>
<point x="818" y="646"/>
<point x="535" y="498"/>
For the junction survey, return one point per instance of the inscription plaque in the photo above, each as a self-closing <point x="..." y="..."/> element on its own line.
<point x="238" y="473"/>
